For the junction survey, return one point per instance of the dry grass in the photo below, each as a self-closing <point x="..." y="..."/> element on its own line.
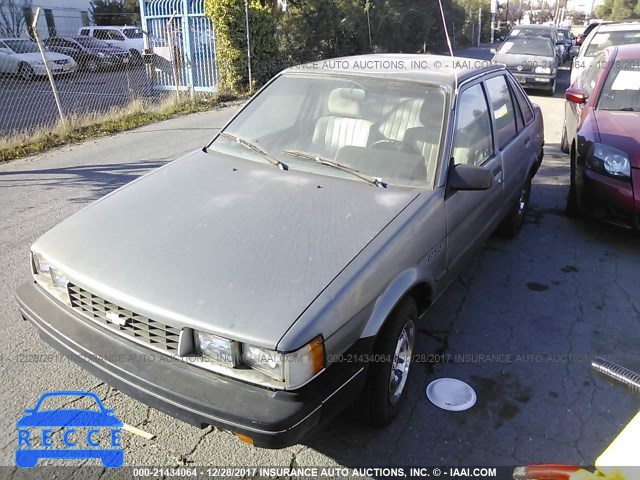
<point x="77" y="129"/>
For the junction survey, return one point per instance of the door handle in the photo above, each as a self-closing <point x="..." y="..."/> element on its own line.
<point x="527" y="141"/>
<point x="497" y="174"/>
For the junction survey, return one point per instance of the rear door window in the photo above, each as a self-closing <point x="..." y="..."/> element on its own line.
<point x="504" y="118"/>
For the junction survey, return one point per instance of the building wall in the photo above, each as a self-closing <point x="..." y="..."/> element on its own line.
<point x="63" y="17"/>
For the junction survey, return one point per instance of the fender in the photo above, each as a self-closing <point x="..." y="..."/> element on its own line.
<point x="392" y="295"/>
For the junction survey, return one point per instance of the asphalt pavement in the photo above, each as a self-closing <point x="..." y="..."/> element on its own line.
<point x="519" y="326"/>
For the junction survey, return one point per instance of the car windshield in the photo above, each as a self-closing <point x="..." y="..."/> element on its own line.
<point x="621" y="90"/>
<point x="539" y="47"/>
<point x="602" y="40"/>
<point x="132" y="33"/>
<point x="530" y="32"/>
<point x="364" y="129"/>
<point x="90" y="42"/>
<point x="22" y="46"/>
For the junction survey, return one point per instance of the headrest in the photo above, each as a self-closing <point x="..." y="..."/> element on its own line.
<point x="432" y="110"/>
<point x="345" y="102"/>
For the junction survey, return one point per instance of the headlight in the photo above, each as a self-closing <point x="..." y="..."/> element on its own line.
<point x="294" y="369"/>
<point x="542" y="70"/>
<point x="41" y="266"/>
<point x="52" y="279"/>
<point x="610" y="160"/>
<point x="267" y="361"/>
<point x="218" y="349"/>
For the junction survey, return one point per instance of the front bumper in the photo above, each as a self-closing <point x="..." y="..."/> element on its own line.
<point x="272" y="419"/>
<point x="54" y="68"/>
<point x="612" y="200"/>
<point x="535" y="80"/>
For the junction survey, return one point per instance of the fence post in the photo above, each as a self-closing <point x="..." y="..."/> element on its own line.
<point x="46" y="65"/>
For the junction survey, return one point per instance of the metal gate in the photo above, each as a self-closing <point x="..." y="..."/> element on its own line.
<point x="180" y="40"/>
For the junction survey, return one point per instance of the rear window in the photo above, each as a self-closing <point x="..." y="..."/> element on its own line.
<point x="602" y="40"/>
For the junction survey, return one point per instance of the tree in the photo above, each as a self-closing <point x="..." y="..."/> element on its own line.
<point x="618" y="9"/>
<point x="115" y="12"/>
<point x="12" y="17"/>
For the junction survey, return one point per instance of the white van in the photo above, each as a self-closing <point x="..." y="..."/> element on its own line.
<point x="127" y="37"/>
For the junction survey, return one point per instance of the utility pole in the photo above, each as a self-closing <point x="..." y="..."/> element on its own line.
<point x="246" y="15"/>
<point x="479" y="24"/>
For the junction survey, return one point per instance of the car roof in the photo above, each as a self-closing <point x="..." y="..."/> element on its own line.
<point x="627" y="52"/>
<point x="617" y="27"/>
<point x="434" y="69"/>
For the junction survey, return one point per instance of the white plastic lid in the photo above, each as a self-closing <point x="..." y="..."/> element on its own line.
<point x="451" y="394"/>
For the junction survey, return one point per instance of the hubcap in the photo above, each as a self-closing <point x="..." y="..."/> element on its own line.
<point x="522" y="202"/>
<point x="401" y="361"/>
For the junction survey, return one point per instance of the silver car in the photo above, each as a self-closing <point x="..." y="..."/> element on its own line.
<point x="267" y="281"/>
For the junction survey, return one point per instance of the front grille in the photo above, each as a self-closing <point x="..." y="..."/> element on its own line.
<point x="60" y="62"/>
<point x="523" y="69"/>
<point x="125" y="322"/>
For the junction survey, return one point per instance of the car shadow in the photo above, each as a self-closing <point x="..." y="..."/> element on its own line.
<point x="98" y="179"/>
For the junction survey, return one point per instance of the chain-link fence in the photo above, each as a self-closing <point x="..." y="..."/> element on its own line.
<point x="71" y="77"/>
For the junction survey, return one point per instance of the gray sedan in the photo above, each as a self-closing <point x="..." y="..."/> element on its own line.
<point x="267" y="281"/>
<point x="532" y="60"/>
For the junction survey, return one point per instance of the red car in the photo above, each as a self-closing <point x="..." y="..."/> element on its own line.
<point x="602" y="133"/>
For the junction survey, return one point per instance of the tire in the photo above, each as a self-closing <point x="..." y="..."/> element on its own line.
<point x="551" y="91"/>
<point x="136" y="57"/>
<point x="383" y="394"/>
<point x="92" y="65"/>
<point x="564" y="144"/>
<point x="574" y="202"/>
<point x="511" y="225"/>
<point x="26" y="72"/>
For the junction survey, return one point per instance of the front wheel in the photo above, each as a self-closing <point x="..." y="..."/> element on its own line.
<point x="511" y="225"/>
<point x="574" y="199"/>
<point x="564" y="143"/>
<point x="387" y="380"/>
<point x="552" y="90"/>
<point x="92" y="65"/>
<point x="26" y="72"/>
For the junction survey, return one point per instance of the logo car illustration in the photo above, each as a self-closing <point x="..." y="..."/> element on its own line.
<point x="67" y="419"/>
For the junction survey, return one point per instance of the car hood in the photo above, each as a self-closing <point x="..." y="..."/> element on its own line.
<point x="515" y="60"/>
<point x="69" y="418"/>
<point x="222" y="244"/>
<point x="620" y="130"/>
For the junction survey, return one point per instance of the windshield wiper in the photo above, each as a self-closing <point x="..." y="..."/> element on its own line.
<point x="345" y="168"/>
<point x="247" y="144"/>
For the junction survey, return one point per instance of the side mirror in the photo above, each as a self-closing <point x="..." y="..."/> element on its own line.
<point x="493" y="50"/>
<point x="575" y="95"/>
<point x="469" y="177"/>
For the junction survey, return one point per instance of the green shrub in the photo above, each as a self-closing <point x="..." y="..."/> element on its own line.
<point x="228" y="17"/>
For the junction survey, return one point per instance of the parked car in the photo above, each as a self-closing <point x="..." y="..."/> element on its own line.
<point x="115" y="36"/>
<point x="603" y="35"/>
<point x="532" y="61"/>
<point x="278" y="274"/>
<point x="22" y="56"/>
<point x="580" y="38"/>
<point x="567" y="38"/>
<point x="602" y="135"/>
<point x="90" y="53"/>
<point x="548" y="31"/>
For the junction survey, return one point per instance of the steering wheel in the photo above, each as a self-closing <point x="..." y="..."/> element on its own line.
<point x="393" y="145"/>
